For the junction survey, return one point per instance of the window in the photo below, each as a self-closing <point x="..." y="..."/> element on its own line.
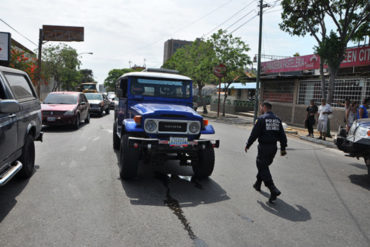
<point x="2" y="91"/>
<point x="20" y="86"/>
<point x="354" y="89"/>
<point x="161" y="88"/>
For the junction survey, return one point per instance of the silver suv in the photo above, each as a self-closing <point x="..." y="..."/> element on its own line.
<point x="20" y="124"/>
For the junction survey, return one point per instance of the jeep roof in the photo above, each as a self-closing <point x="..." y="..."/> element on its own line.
<point x="157" y="75"/>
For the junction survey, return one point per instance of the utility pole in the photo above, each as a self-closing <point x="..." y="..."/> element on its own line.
<point x="259" y="61"/>
<point x="39" y="64"/>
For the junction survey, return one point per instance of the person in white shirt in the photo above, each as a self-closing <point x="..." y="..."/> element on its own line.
<point x="322" y="123"/>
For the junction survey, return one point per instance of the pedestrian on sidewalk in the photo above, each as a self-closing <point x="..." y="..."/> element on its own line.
<point x="322" y="123"/>
<point x="310" y="117"/>
<point x="268" y="129"/>
<point x="351" y="115"/>
<point x="362" y="110"/>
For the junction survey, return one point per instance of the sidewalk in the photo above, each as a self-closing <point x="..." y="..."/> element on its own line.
<point x="245" y="118"/>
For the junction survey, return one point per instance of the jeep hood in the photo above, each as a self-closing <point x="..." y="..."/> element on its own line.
<point x="154" y="109"/>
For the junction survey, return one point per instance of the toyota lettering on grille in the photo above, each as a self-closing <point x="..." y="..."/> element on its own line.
<point x="172" y="126"/>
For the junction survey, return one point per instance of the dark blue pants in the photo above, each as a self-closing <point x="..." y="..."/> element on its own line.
<point x="265" y="156"/>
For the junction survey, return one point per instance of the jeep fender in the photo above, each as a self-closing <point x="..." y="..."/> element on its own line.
<point x="129" y="126"/>
<point x="208" y="130"/>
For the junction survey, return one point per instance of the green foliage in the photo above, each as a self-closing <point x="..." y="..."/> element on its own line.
<point x="113" y="75"/>
<point x="331" y="50"/>
<point x="232" y="52"/>
<point x="86" y="75"/>
<point x="61" y="63"/>
<point x="195" y="61"/>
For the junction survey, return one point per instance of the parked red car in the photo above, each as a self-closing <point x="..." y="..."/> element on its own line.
<point x="65" y="108"/>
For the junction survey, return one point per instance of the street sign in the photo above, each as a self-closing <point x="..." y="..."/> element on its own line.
<point x="219" y="70"/>
<point x="4" y="48"/>
<point x="62" y="33"/>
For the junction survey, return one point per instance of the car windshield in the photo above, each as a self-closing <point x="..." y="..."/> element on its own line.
<point x="57" y="98"/>
<point x="94" y="96"/>
<point x="88" y="86"/>
<point x="161" y="88"/>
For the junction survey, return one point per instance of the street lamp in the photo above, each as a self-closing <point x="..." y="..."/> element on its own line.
<point x="82" y="53"/>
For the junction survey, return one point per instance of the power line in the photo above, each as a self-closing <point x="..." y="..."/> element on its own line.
<point x="244" y="23"/>
<point x="241" y="18"/>
<point x="18" y="32"/>
<point x="193" y="22"/>
<point x="232" y="16"/>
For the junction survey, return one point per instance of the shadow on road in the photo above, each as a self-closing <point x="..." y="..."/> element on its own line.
<point x="285" y="210"/>
<point x="8" y="195"/>
<point x="156" y="182"/>
<point x="358" y="165"/>
<point x="361" y="180"/>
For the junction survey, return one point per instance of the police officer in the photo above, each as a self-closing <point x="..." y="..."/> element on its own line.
<point x="268" y="129"/>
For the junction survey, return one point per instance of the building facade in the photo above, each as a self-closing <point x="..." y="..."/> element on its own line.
<point x="291" y="83"/>
<point x="171" y="45"/>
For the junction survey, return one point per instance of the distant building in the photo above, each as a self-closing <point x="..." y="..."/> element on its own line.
<point x="171" y="45"/>
<point x="101" y="88"/>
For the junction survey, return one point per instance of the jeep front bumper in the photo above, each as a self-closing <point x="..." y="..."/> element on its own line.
<point x="157" y="145"/>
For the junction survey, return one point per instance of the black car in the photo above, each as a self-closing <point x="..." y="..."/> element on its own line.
<point x="20" y="124"/>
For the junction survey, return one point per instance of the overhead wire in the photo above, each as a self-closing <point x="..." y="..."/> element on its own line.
<point x="193" y="22"/>
<point x="228" y="19"/>
<point x="18" y="32"/>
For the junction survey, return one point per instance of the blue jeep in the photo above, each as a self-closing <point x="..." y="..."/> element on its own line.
<point x="155" y="122"/>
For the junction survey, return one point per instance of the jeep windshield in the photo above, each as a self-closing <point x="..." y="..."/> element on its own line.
<point x="156" y="87"/>
<point x="68" y="99"/>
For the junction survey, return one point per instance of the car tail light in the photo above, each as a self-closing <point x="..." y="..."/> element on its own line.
<point x="137" y="119"/>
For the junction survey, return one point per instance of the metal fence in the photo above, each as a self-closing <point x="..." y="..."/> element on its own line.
<point x="355" y="89"/>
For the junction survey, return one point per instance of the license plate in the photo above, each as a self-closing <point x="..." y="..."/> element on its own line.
<point x="178" y="141"/>
<point x="51" y="118"/>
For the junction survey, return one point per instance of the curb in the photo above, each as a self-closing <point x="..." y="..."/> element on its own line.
<point x="317" y="141"/>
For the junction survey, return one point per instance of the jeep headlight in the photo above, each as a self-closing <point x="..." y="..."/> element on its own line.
<point x="150" y="126"/>
<point x="194" y="127"/>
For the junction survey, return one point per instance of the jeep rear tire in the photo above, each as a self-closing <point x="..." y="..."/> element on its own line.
<point x="129" y="159"/>
<point x="203" y="168"/>
<point x="116" y="140"/>
<point x="27" y="158"/>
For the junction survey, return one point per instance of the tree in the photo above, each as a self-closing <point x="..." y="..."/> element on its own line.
<point x="195" y="61"/>
<point x="61" y="63"/>
<point x="113" y="75"/>
<point x="86" y="75"/>
<point x="19" y="60"/>
<point x="350" y="18"/>
<point x="230" y="51"/>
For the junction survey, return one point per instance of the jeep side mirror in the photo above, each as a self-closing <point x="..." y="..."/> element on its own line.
<point x="9" y="106"/>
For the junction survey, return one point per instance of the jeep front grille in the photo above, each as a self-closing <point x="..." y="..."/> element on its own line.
<point x="172" y="127"/>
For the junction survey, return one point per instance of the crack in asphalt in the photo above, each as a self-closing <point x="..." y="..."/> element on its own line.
<point x="175" y="207"/>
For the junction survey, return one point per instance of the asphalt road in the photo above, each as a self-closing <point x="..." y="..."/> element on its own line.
<point x="75" y="197"/>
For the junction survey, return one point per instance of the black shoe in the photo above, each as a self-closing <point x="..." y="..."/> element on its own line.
<point x="257" y="185"/>
<point x="274" y="193"/>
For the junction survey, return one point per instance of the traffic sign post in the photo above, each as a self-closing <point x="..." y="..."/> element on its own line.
<point x="219" y="71"/>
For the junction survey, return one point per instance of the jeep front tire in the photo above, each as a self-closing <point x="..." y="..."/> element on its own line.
<point x="129" y="159"/>
<point x="116" y="141"/>
<point x="203" y="168"/>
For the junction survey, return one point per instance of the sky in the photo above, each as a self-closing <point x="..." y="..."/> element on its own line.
<point x="122" y="31"/>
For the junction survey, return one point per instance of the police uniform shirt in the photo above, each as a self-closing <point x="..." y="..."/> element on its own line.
<point x="268" y="129"/>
